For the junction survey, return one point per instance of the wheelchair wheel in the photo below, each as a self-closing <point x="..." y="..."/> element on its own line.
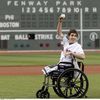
<point x="72" y="83"/>
<point x="42" y="94"/>
<point x="38" y="93"/>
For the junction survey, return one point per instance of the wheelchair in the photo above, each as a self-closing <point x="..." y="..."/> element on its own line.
<point x="67" y="81"/>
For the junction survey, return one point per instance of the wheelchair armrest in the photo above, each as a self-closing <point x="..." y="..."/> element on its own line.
<point x="81" y="65"/>
<point x="65" y="65"/>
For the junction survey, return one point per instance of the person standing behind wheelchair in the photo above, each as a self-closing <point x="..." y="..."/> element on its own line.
<point x="71" y="47"/>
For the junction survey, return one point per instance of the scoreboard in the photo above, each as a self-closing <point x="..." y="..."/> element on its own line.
<point x="31" y="24"/>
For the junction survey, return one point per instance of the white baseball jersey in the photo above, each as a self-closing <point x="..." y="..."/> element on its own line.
<point x="75" y="47"/>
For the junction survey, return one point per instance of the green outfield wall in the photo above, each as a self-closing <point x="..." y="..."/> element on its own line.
<point x="31" y="24"/>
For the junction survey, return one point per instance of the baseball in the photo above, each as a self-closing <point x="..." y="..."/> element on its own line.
<point x="62" y="16"/>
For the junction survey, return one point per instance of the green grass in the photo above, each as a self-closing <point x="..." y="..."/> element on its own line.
<point x="12" y="87"/>
<point x="42" y="59"/>
<point x="94" y="84"/>
<point x="26" y="86"/>
<point x="18" y="86"/>
<point x="28" y="59"/>
<point x="92" y="58"/>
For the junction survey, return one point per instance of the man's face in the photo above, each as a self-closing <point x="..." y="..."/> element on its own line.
<point x="72" y="38"/>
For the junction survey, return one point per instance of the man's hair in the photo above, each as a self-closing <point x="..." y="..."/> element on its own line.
<point x="72" y="31"/>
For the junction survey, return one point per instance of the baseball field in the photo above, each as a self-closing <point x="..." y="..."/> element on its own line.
<point x="21" y="75"/>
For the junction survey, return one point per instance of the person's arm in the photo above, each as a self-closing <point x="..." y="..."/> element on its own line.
<point x="59" y="27"/>
<point x="76" y="55"/>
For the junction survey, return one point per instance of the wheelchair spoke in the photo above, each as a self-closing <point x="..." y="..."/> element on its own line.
<point x="77" y="77"/>
<point x="76" y="81"/>
<point x="64" y="82"/>
<point x="76" y="89"/>
<point x="82" y="79"/>
<point x="67" y="91"/>
<point x="81" y="90"/>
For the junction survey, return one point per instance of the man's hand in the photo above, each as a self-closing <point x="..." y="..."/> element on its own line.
<point x="66" y="53"/>
<point x="61" y="17"/>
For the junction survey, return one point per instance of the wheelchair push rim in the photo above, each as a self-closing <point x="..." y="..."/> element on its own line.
<point x="71" y="85"/>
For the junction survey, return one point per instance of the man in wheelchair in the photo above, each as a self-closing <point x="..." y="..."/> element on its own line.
<point x="71" y="51"/>
<point x="68" y="80"/>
